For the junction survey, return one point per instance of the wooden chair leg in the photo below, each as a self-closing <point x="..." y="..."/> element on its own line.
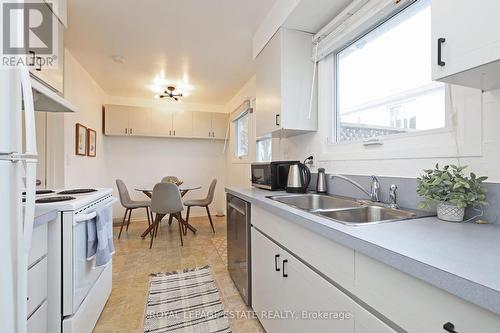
<point x="150" y="218"/>
<point x="129" y="214"/>
<point x="123" y="223"/>
<point x="179" y="219"/>
<point x="170" y="219"/>
<point x="155" y="225"/>
<point x="210" y="218"/>
<point x="187" y="220"/>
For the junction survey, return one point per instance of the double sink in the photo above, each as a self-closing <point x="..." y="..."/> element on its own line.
<point x="346" y="210"/>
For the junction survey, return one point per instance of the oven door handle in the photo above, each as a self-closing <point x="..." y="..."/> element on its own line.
<point x="90" y="216"/>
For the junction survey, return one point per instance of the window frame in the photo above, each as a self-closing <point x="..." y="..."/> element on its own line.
<point x="463" y="106"/>
<point x="237" y="135"/>
<point x="335" y="132"/>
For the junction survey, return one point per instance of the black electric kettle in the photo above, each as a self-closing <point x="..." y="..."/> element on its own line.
<point x="299" y="178"/>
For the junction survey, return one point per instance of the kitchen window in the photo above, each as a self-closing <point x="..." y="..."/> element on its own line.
<point x="383" y="80"/>
<point x="263" y="150"/>
<point x="241" y="135"/>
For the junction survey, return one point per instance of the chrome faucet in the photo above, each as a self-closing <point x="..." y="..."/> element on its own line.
<point x="393" y="197"/>
<point x="374" y="188"/>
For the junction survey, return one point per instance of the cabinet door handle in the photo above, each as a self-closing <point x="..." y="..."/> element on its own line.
<point x="283" y="273"/>
<point x="449" y="327"/>
<point x="174" y="132"/>
<point x="130" y="131"/>
<point x="276" y="265"/>
<point x="440" y="46"/>
<point x="126" y="131"/>
<point x="277" y="119"/>
<point x="170" y="132"/>
<point x="39" y="64"/>
<point x="32" y="58"/>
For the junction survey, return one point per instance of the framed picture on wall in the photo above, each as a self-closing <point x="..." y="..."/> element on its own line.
<point x="81" y="140"/>
<point x="91" y="142"/>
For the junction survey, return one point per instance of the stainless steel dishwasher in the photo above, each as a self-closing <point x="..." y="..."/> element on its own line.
<point x="238" y="245"/>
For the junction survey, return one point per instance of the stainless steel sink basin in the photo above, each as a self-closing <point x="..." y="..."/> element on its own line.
<point x="315" y="202"/>
<point x="367" y="215"/>
<point x="346" y="210"/>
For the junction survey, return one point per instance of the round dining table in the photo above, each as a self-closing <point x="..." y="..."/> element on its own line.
<point x="147" y="189"/>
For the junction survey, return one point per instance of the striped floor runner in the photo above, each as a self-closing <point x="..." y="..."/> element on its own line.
<point x="184" y="301"/>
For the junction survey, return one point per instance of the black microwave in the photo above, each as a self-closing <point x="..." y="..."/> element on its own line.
<point x="271" y="175"/>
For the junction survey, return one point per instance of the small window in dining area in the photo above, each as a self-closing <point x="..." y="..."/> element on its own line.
<point x="241" y="135"/>
<point x="383" y="80"/>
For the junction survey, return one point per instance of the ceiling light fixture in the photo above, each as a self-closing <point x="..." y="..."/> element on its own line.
<point x="118" y="58"/>
<point x="170" y="92"/>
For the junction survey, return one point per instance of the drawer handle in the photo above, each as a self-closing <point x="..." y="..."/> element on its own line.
<point x="440" y="46"/>
<point x="276" y="265"/>
<point x="449" y="327"/>
<point x="277" y="120"/>
<point x="284" y="262"/>
<point x="39" y="64"/>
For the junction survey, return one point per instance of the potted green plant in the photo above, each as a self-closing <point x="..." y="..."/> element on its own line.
<point x="452" y="190"/>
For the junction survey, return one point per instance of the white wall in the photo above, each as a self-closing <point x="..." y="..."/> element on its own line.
<point x="139" y="161"/>
<point x="81" y="90"/>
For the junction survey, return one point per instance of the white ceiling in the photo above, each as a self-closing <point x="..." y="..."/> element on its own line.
<point x="207" y="42"/>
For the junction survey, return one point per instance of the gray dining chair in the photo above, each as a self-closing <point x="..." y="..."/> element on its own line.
<point x="205" y="202"/>
<point x="130" y="204"/>
<point x="166" y="199"/>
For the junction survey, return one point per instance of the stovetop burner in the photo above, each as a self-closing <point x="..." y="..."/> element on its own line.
<point x="54" y="199"/>
<point x="39" y="192"/>
<point x="78" y="191"/>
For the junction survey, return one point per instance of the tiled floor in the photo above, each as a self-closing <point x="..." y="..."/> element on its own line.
<point x="134" y="261"/>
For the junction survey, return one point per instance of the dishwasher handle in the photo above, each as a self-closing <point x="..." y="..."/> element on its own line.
<point x="237" y="208"/>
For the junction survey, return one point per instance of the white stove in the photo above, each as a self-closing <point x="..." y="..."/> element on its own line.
<point x="78" y="291"/>
<point x="76" y="198"/>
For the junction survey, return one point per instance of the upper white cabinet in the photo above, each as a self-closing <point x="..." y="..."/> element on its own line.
<point x="130" y="120"/>
<point x="466" y="43"/>
<point x="210" y="125"/>
<point x="219" y="125"/>
<point x="60" y="10"/>
<point x="127" y="120"/>
<point x="284" y="80"/>
<point x="52" y="77"/>
<point x="168" y="123"/>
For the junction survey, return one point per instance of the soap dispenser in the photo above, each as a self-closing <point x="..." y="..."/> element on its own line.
<point x="321" y="181"/>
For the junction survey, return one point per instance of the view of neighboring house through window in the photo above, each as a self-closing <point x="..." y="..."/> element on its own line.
<point x="384" y="81"/>
<point x="241" y="131"/>
<point x="263" y="150"/>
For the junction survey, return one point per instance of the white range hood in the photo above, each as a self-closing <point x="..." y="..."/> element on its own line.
<point x="47" y="100"/>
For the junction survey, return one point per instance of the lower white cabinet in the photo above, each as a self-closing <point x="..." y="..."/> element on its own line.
<point x="365" y="322"/>
<point x="37" y="281"/>
<point x="282" y="285"/>
<point x="37" y="323"/>
<point x="290" y="297"/>
<point x="414" y="305"/>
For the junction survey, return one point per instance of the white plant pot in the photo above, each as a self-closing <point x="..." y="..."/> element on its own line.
<point x="450" y="212"/>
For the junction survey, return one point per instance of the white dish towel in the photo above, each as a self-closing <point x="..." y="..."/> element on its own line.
<point x="100" y="237"/>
